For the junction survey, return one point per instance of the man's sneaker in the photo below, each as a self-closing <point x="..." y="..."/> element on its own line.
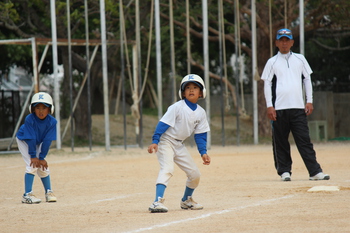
<point x="158" y="207"/>
<point x="29" y="198"/>
<point x="190" y="204"/>
<point x="285" y="176"/>
<point x="320" y="176"/>
<point x="50" y="197"/>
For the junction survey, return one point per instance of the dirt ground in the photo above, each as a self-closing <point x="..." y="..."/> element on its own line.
<point x="110" y="191"/>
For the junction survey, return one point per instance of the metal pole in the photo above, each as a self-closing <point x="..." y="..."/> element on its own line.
<point x="105" y="73"/>
<point x="270" y="27"/>
<point x="221" y="65"/>
<point x="206" y="63"/>
<point x="56" y="83"/>
<point x="188" y="37"/>
<point x="285" y="14"/>
<point x="35" y="64"/>
<point x="238" y="57"/>
<point x="70" y="75"/>
<point x="135" y="95"/>
<point x="122" y="74"/>
<point x="138" y="89"/>
<point x="159" y="59"/>
<point x="301" y="13"/>
<point x="254" y="73"/>
<point x="172" y="53"/>
<point x="88" y="71"/>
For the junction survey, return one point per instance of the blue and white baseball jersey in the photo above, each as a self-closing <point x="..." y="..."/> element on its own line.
<point x="35" y="131"/>
<point x="184" y="121"/>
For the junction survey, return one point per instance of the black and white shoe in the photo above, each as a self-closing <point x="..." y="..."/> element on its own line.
<point x="30" y="198"/>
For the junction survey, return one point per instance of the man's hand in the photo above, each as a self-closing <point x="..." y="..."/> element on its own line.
<point x="271" y="113"/>
<point x="309" y="108"/>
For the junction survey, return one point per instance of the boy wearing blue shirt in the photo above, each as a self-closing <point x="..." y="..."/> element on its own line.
<point x="34" y="139"/>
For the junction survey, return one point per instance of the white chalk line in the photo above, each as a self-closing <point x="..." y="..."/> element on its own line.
<point x="90" y="156"/>
<point x="261" y="203"/>
<point x="92" y="202"/>
<point x="116" y="198"/>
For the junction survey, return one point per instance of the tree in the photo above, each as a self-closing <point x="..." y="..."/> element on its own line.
<point x="285" y="13"/>
<point x="24" y="19"/>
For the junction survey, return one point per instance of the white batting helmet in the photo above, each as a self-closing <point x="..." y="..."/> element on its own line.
<point x="41" y="98"/>
<point x="194" y="79"/>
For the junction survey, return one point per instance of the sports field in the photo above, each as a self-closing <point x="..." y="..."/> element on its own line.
<point x="101" y="191"/>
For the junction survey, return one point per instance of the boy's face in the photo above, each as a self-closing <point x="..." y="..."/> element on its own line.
<point x="192" y="92"/>
<point x="41" y="111"/>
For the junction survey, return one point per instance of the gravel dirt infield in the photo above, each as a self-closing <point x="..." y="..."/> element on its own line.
<point x="110" y="191"/>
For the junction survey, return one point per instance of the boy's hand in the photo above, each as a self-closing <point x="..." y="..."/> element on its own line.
<point x="206" y="159"/>
<point x="43" y="164"/>
<point x="152" y="147"/>
<point x="34" y="162"/>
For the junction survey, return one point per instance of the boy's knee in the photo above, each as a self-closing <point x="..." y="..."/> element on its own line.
<point x="193" y="179"/>
<point x="43" y="173"/>
<point x="31" y="170"/>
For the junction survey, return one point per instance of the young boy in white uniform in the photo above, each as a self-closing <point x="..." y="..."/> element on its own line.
<point x="181" y="120"/>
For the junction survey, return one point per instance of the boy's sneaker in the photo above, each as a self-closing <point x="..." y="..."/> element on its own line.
<point x="158" y="207"/>
<point x="320" y="176"/>
<point x="190" y="204"/>
<point x="285" y="176"/>
<point x="29" y="198"/>
<point x="50" y="197"/>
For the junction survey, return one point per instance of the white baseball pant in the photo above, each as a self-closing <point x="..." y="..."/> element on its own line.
<point x="172" y="151"/>
<point x="23" y="148"/>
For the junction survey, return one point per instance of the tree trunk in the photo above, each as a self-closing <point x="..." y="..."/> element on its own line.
<point x="80" y="115"/>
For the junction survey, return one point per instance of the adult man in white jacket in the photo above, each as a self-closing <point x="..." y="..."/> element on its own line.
<point x="285" y="75"/>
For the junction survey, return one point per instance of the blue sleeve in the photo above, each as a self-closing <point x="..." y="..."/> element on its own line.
<point x="31" y="147"/>
<point x="160" y="129"/>
<point x="201" y="141"/>
<point x="49" y="131"/>
<point x="45" y="146"/>
<point x="27" y="131"/>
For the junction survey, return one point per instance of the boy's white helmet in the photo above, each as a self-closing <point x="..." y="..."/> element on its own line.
<point x="43" y="98"/>
<point x="194" y="79"/>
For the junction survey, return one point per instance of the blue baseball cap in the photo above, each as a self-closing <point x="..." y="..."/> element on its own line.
<point x="284" y="32"/>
